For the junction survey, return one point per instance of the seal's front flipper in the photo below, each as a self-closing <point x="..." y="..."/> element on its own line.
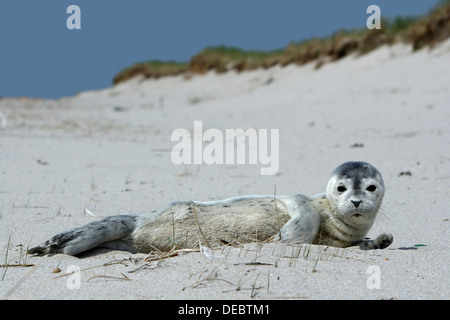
<point x="107" y="231"/>
<point x="382" y="241"/>
<point x="302" y="228"/>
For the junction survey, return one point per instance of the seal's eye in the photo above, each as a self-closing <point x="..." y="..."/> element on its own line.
<point x="371" y="188"/>
<point x="341" y="189"/>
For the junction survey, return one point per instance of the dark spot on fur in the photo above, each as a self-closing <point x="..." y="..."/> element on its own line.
<point x="357" y="145"/>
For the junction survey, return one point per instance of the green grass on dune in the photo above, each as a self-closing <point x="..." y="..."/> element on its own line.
<point x="418" y="31"/>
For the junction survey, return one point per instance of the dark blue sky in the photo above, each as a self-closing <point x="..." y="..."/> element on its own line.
<point x="40" y="57"/>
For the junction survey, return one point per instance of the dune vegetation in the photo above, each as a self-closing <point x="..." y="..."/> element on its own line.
<point x="419" y="31"/>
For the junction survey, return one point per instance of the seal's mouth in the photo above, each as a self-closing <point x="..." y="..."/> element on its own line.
<point x="357" y="215"/>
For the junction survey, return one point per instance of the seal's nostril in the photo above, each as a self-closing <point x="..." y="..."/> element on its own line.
<point x="356" y="203"/>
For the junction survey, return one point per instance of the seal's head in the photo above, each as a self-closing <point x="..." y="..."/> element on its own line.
<point x="355" y="192"/>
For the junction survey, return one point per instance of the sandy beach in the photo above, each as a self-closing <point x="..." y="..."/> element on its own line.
<point x="67" y="162"/>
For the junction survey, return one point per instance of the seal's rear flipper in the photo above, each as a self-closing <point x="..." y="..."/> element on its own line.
<point x="108" y="232"/>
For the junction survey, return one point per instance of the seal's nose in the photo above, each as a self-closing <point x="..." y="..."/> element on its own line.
<point x="356" y="203"/>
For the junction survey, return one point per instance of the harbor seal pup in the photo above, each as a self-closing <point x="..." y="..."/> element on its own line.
<point x="340" y="217"/>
